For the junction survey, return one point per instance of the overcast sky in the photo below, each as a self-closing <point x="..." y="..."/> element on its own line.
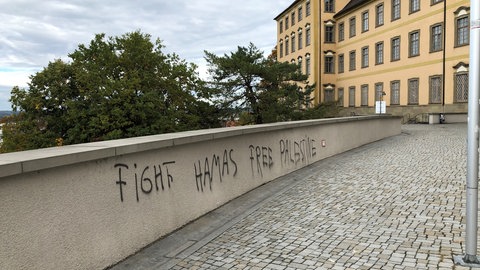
<point x="34" y="32"/>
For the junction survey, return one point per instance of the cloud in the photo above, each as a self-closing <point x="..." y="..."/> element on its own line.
<point x="33" y="33"/>
<point x="10" y="77"/>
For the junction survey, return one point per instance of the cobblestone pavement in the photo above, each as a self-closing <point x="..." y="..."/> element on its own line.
<point x="394" y="204"/>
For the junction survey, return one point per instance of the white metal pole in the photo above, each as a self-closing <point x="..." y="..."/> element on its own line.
<point x="472" y="136"/>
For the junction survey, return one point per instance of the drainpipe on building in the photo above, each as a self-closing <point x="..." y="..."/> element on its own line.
<point x="470" y="259"/>
<point x="442" y="114"/>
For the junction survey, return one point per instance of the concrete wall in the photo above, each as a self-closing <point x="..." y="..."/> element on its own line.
<point x="89" y="206"/>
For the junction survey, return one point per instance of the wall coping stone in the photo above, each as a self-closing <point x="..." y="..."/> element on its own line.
<point x="46" y="158"/>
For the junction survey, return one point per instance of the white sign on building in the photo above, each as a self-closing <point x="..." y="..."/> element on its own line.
<point x="380" y="107"/>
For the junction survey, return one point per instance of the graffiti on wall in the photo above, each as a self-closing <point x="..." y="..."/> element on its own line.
<point x="261" y="158"/>
<point x="215" y="168"/>
<point x="297" y="151"/>
<point x="146" y="178"/>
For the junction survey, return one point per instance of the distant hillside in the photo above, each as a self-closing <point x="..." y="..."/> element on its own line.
<point x="5" y="113"/>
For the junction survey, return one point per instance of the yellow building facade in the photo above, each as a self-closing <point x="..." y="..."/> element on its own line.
<point x="411" y="54"/>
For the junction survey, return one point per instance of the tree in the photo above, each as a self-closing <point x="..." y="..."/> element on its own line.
<point x="246" y="81"/>
<point x="115" y="87"/>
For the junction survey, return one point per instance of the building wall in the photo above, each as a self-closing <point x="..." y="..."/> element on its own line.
<point x="89" y="206"/>
<point x="422" y="66"/>
<point x="300" y="55"/>
<point x="327" y="48"/>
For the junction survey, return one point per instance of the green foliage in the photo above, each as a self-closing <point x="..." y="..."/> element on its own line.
<point x="120" y="87"/>
<point x="113" y="88"/>
<point x="245" y="118"/>
<point x="20" y="134"/>
<point x="268" y="90"/>
<point x="323" y="110"/>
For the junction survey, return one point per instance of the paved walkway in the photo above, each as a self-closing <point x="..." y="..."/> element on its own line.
<point x="395" y="204"/>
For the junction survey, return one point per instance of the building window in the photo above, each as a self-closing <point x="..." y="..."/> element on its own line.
<point x="300" y="13"/>
<point x="351" y="96"/>
<point x="379" y="53"/>
<point x="461" y="87"/>
<point x="395" y="48"/>
<point x="435" y="89"/>
<point x="286" y="23"/>
<point x="307" y="8"/>
<point x="395" y="10"/>
<point x="414" y="43"/>
<point x="352" y="65"/>
<point x="352" y="27"/>
<point x="308" y="35"/>
<point x="341" y="101"/>
<point x="287" y="44"/>
<point x="281" y="48"/>
<point x="462" y="26"/>
<point x="341" y="31"/>
<point x="436" y="1"/>
<point x="293" y="42"/>
<point x="329" y="64"/>
<point x="379" y="91"/>
<point x="329" y="6"/>
<point x="414" y="6"/>
<point x="329" y="94"/>
<point x="341" y="63"/>
<point x="436" y="38"/>
<point x="300" y="62"/>
<point x="379" y="15"/>
<point x="413" y="91"/>
<point x="364" y="95"/>
<point x="293" y="18"/>
<point x="281" y="27"/>
<point x="329" y="34"/>
<point x="300" y="39"/>
<point x="365" y="21"/>
<point x="307" y="64"/>
<point x="365" y="57"/>
<point x="395" y="93"/>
